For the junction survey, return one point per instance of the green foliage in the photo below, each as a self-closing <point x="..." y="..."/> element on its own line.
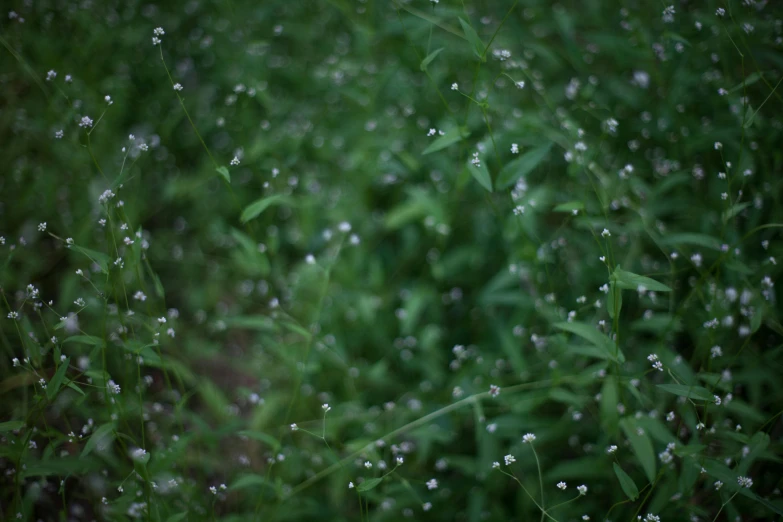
<point x="324" y="261"/>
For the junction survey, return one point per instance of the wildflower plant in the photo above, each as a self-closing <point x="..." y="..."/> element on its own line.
<point x="385" y="260"/>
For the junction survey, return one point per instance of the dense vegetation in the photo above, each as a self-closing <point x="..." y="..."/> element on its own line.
<point x="374" y="260"/>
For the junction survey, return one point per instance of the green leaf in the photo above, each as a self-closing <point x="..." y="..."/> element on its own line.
<point x="101" y="435"/>
<point x="691" y="449"/>
<point x="758" y="445"/>
<point x="626" y="482"/>
<point x="701" y="240"/>
<point x="566" y="207"/>
<point x="749" y="80"/>
<point x="84" y="339"/>
<point x="159" y="291"/>
<point x="641" y="446"/>
<point x="72" y="385"/>
<point x="755" y="320"/>
<point x="449" y="138"/>
<point x="260" y="436"/>
<point x="54" y="385"/>
<point x="223" y="171"/>
<point x="62" y="466"/>
<point x="631" y="281"/>
<point x="255" y="209"/>
<point x="599" y="340"/>
<point x="248" y="481"/>
<point x="481" y="174"/>
<point x="473" y="39"/>
<point x="100" y="258"/>
<point x="691" y="392"/>
<point x="522" y="166"/>
<point x="259" y="323"/>
<point x="177" y="517"/>
<point x="368" y="484"/>
<point x="11" y="425"/>
<point x="428" y="60"/>
<point x="727" y="215"/>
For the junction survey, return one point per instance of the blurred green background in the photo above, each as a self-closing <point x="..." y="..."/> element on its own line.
<point x="326" y="109"/>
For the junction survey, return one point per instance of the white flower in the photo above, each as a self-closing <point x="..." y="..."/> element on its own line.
<point x="113" y="387"/>
<point x="139" y="453"/>
<point x="59" y="134"/>
<point x="42" y="226"/>
<point x="509" y="459"/>
<point x="611" y="449"/>
<point x="562" y="485"/>
<point x="158" y="31"/>
<point x="745" y="482"/>
<point x="85" y="122"/>
<point x="294" y="427"/>
<point x="454" y="86"/>
<point x="51" y="75"/>
<point x="432" y="484"/>
<point x="606" y="233"/>
<point x="582" y="489"/>
<point x="520" y="84"/>
<point x="350" y="485"/>
<point x="235" y="161"/>
<point x="428" y="505"/>
<point x="368" y="464"/>
<point x="494" y="390"/>
<point x="720" y="11"/>
<point x="514" y="148"/>
<point x="718" y="485"/>
<point x="325" y="407"/>
<point x="178" y="87"/>
<point x="528" y="437"/>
